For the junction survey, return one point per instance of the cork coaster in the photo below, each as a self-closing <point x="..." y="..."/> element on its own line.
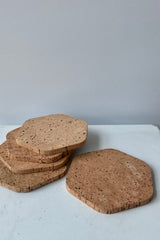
<point x="110" y="181"/>
<point x="27" y="182"/>
<point x="19" y="153"/>
<point x="29" y="167"/>
<point x="52" y="134"/>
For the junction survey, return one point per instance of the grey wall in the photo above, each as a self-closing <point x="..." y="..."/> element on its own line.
<point x="97" y="60"/>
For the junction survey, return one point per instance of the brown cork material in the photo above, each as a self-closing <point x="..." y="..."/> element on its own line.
<point x="52" y="134"/>
<point x="19" y="153"/>
<point x="29" y="167"/>
<point x="27" y="182"/>
<point x="110" y="181"/>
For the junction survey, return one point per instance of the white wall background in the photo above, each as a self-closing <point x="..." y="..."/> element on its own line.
<point x="96" y="60"/>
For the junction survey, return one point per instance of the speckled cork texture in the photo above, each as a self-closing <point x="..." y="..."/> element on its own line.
<point x="30" y="181"/>
<point x="110" y="181"/>
<point x="52" y="134"/>
<point x="28" y="167"/>
<point x="19" y="153"/>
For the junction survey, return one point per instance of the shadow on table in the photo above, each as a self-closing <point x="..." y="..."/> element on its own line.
<point x="154" y="185"/>
<point x="92" y="144"/>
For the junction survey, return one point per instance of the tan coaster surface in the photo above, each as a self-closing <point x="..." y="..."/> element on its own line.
<point x="27" y="182"/>
<point x="19" y="153"/>
<point x="52" y="134"/>
<point x="28" y="167"/>
<point x="110" y="181"/>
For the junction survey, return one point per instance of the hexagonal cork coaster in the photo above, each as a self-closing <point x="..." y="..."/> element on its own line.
<point x="110" y="181"/>
<point x="29" y="167"/>
<point x="52" y="134"/>
<point x="19" y="153"/>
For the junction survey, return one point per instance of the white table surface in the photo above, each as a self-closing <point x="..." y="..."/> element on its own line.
<point x="51" y="212"/>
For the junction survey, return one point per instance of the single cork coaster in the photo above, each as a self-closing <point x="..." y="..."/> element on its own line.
<point x="28" y="167"/>
<point x="52" y="134"/>
<point x="110" y="181"/>
<point x="27" y="182"/>
<point x="19" y="153"/>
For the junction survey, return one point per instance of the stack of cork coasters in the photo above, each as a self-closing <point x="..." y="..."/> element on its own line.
<point x="37" y="153"/>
